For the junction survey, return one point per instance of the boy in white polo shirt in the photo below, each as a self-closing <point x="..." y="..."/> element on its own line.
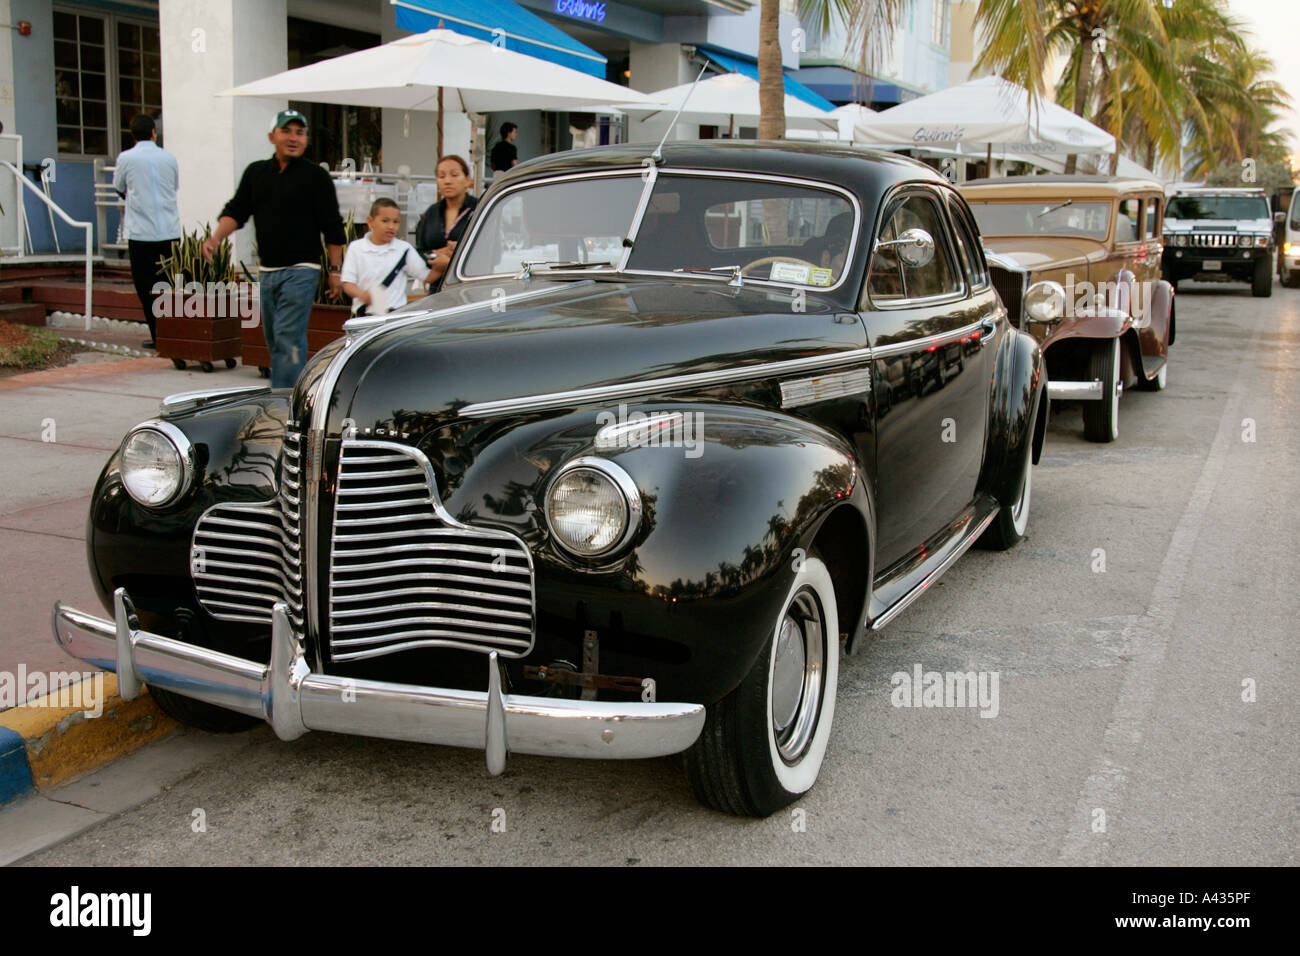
<point x="377" y="265"/>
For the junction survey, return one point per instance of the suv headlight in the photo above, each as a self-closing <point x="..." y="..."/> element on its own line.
<point x="157" y="463"/>
<point x="1177" y="239"/>
<point x="592" y="507"/>
<point x="1245" y="241"/>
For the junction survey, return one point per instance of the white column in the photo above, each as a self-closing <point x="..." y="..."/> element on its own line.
<point x="209" y="46"/>
<point x="7" y="69"/>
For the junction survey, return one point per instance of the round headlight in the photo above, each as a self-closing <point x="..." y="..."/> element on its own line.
<point x="1245" y="240"/>
<point x="156" y="465"/>
<point x="1045" y="302"/>
<point x="1178" y="240"/>
<point x="592" y="507"/>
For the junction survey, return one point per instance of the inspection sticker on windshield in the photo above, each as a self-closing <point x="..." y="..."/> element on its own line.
<point x="789" y="272"/>
<point x="820" y="277"/>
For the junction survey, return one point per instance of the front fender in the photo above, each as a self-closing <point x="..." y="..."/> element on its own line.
<point x="695" y="595"/>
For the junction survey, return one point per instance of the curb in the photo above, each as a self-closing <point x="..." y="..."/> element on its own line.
<point x="45" y="742"/>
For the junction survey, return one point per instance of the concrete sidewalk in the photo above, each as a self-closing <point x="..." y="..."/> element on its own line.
<point x="57" y="429"/>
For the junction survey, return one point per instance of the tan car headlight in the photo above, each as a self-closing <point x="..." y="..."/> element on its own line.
<point x="157" y="464"/>
<point x="592" y="507"/>
<point x="1045" y="302"/>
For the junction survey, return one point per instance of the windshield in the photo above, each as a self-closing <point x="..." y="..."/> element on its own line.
<point x="773" y="231"/>
<point x="1051" y="217"/>
<point x="1218" y="207"/>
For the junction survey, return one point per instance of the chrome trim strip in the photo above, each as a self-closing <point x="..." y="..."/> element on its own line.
<point x="650" y="386"/>
<point x="901" y="604"/>
<point x="294" y="700"/>
<point x="1075" y="391"/>
<point x="940" y="338"/>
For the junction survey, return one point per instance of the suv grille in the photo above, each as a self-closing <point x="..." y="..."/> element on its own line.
<point x="1213" y="240"/>
<point x="405" y="574"/>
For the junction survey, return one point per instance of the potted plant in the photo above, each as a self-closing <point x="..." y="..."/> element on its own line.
<point x="200" y="310"/>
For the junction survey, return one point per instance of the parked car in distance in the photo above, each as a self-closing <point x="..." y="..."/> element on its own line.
<point x="621" y="489"/>
<point x="1288" y="252"/>
<point x="1215" y="232"/>
<point x="1076" y="259"/>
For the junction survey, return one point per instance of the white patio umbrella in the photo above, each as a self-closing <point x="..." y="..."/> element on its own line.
<point x="727" y="99"/>
<point x="989" y="112"/>
<point x="438" y="70"/>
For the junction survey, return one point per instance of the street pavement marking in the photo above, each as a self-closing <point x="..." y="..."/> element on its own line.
<point x="1104" y="787"/>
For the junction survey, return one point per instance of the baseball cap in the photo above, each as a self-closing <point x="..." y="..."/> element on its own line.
<point x="285" y="117"/>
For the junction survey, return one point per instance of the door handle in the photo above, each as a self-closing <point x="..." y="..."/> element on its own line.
<point x="988" y="328"/>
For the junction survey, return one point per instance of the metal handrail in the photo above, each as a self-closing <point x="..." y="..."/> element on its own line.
<point x="74" y="223"/>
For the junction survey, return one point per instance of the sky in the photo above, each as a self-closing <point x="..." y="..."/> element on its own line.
<point x="1275" y="25"/>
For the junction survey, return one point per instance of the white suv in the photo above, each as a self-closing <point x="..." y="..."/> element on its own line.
<point x="1288" y="257"/>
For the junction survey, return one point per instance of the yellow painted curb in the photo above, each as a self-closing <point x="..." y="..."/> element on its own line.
<point x="63" y="743"/>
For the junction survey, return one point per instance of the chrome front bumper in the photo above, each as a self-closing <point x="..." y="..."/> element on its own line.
<point x="1075" y="391"/>
<point x="293" y="700"/>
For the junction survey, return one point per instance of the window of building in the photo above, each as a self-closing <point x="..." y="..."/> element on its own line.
<point x="106" y="69"/>
<point x="940" y="22"/>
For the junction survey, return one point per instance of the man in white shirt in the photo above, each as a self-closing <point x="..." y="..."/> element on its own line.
<point x="146" y="175"/>
<point x="378" y="267"/>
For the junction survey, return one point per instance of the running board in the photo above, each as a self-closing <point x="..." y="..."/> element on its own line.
<point x="923" y="576"/>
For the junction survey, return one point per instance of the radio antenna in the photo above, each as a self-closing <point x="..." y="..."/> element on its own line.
<point x="658" y="155"/>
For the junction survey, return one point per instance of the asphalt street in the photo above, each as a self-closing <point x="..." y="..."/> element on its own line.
<point x="1143" y="637"/>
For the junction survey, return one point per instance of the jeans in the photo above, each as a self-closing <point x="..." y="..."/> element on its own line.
<point x="145" y="272"/>
<point x="286" y="298"/>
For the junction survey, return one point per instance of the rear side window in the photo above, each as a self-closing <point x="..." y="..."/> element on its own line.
<point x="1126" y="222"/>
<point x="968" y="243"/>
<point x="890" y="278"/>
<point x="1153" y="218"/>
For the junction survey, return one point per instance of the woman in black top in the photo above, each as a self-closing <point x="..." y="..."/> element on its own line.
<point x="443" y="224"/>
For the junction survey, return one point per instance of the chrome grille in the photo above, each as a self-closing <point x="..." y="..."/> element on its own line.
<point x="405" y="574"/>
<point x="245" y="557"/>
<point x="1212" y="240"/>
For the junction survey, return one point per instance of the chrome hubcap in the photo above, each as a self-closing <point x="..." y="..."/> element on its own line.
<point x="797" y="676"/>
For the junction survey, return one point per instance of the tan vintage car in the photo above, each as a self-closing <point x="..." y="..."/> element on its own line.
<point x="1076" y="260"/>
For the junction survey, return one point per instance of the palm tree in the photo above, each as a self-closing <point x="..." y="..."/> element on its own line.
<point x="1022" y="37"/>
<point x="869" y="25"/>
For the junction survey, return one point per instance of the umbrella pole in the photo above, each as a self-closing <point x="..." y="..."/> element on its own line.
<point x="988" y="161"/>
<point x="731" y="127"/>
<point x="439" y="124"/>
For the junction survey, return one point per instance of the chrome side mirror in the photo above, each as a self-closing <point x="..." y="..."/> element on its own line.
<point x="915" y="247"/>
<point x="1045" y="302"/>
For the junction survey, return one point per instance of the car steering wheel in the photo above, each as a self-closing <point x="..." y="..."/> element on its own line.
<point x="769" y="259"/>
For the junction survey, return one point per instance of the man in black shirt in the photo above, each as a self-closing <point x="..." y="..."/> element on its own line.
<point x="292" y="202"/>
<point x="504" y="153"/>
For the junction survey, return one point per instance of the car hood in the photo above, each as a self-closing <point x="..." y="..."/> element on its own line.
<point x="1041" y="253"/>
<point x="485" y="342"/>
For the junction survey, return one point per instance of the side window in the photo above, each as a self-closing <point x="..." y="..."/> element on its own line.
<point x="968" y="244"/>
<point x="1153" y="219"/>
<point x="892" y="279"/>
<point x="1126" y="221"/>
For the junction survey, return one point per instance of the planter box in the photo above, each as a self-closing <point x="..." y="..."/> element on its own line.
<point x="198" y="340"/>
<point x="323" y="326"/>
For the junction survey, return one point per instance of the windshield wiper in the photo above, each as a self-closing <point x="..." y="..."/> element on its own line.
<point x="1068" y="202"/>
<point x="526" y="271"/>
<point x="735" y="280"/>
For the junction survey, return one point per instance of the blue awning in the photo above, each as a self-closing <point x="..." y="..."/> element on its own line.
<point x="505" y="23"/>
<point x="846" y="86"/>
<point x="735" y="63"/>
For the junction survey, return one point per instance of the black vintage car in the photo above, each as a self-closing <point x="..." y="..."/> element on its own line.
<point x="621" y="489"/>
